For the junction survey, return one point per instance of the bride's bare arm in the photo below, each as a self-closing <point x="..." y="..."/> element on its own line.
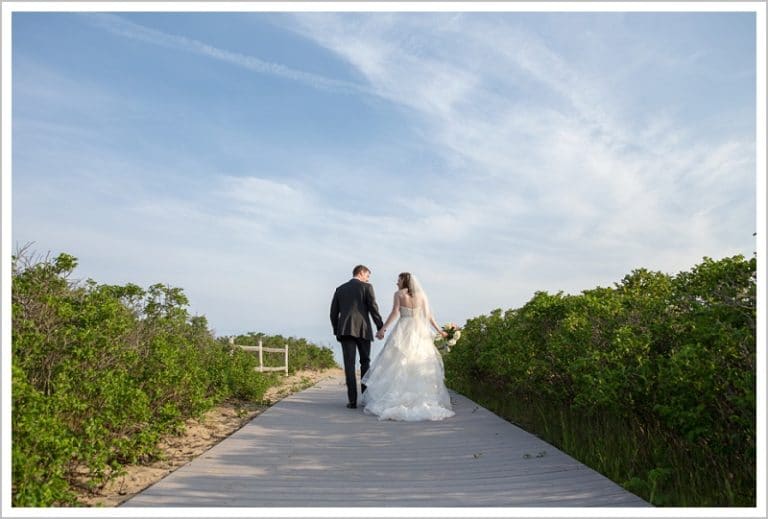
<point x="436" y="327"/>
<point x="392" y="315"/>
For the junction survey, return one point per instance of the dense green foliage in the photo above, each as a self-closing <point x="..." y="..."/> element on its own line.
<point x="101" y="372"/>
<point x="651" y="382"/>
<point x="302" y="354"/>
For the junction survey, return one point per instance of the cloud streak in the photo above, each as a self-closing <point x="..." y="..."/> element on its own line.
<point x="125" y="28"/>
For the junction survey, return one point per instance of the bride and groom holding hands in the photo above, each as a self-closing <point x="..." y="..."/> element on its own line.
<point x="405" y="382"/>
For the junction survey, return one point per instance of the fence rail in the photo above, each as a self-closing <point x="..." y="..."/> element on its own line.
<point x="261" y="349"/>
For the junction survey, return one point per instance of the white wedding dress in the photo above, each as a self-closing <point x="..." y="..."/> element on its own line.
<point x="405" y="382"/>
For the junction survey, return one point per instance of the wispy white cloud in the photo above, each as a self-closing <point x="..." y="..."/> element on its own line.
<point x="574" y="158"/>
<point x="395" y="62"/>
<point x="123" y="27"/>
<point x="265" y="198"/>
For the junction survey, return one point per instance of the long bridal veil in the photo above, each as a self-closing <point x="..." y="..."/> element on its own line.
<point x="421" y="302"/>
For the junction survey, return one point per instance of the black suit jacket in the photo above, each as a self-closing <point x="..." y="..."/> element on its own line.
<point x="352" y="303"/>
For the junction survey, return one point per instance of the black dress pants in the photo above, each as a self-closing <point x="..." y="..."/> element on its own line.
<point x="349" y="347"/>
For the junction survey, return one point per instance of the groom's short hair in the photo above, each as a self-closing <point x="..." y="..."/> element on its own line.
<point x="360" y="268"/>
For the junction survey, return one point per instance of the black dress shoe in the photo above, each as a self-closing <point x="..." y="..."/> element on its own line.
<point x="351" y="406"/>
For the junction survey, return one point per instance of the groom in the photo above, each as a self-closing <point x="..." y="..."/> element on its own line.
<point x="352" y="303"/>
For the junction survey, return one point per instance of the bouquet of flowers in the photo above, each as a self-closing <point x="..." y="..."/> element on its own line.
<point x="445" y="343"/>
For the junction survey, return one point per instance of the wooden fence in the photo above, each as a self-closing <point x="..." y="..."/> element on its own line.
<point x="261" y="351"/>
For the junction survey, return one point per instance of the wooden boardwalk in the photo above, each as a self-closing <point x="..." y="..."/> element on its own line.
<point x="309" y="450"/>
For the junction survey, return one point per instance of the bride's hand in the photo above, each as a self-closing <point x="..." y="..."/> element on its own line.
<point x="444" y="333"/>
<point x="380" y="334"/>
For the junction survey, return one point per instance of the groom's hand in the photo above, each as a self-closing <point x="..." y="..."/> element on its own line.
<point x="380" y="334"/>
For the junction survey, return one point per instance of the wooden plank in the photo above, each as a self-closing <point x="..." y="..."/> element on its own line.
<point x="308" y="450"/>
<point x="256" y="348"/>
<point x="261" y="349"/>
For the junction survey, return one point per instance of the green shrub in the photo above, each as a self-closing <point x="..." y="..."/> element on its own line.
<point x="101" y="372"/>
<point x="668" y="361"/>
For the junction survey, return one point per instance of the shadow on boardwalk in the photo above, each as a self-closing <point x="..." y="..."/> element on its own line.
<point x="309" y="450"/>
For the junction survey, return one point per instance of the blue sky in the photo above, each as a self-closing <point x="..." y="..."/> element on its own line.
<point x="254" y="158"/>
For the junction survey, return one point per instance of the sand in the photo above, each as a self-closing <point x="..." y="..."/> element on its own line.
<point x="198" y="436"/>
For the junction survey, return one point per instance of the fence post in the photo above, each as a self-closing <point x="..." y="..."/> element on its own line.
<point x="286" y="358"/>
<point x="261" y="360"/>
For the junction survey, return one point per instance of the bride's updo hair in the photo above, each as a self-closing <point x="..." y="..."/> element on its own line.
<point x="405" y="282"/>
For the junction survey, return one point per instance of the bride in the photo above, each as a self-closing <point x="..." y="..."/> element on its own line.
<point x="405" y="382"/>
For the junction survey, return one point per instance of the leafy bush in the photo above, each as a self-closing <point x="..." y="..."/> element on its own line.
<point x="669" y="361"/>
<point x="100" y="372"/>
